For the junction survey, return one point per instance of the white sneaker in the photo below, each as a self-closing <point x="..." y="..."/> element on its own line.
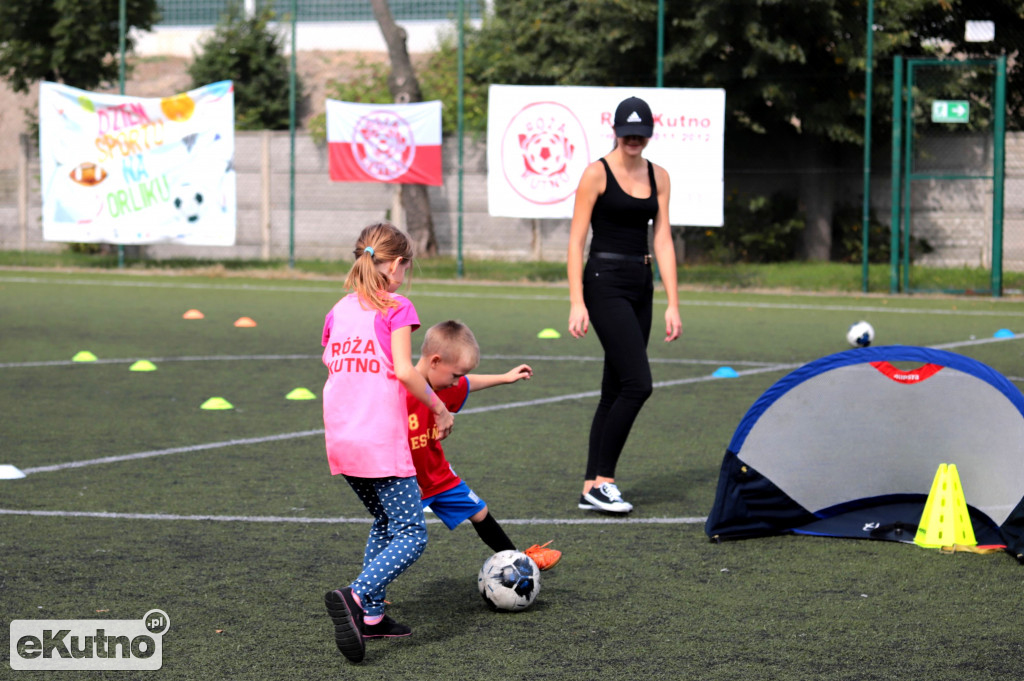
<point x="606" y="497"/>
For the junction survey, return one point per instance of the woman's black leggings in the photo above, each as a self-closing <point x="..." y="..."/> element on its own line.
<point x="619" y="299"/>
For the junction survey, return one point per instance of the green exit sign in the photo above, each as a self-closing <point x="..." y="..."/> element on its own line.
<point x="950" y="111"/>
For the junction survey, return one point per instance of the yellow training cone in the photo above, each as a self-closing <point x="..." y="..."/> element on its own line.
<point x="946" y="520"/>
<point x="84" y="356"/>
<point x="549" y="333"/>
<point x="300" y="394"/>
<point x="216" y="403"/>
<point x="245" y="322"/>
<point x="192" y="314"/>
<point x="142" y="365"/>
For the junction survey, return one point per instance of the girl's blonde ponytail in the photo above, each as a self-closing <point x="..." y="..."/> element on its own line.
<point x="377" y="243"/>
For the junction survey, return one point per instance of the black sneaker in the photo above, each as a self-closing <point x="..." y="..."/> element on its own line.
<point x="348" y="623"/>
<point x="386" y="628"/>
<point x="606" y="497"/>
<point x="586" y="505"/>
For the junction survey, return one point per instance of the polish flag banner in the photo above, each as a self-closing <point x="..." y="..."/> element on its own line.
<point x="393" y="143"/>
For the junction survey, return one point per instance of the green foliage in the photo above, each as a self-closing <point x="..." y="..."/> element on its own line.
<point x="248" y="52"/>
<point x="438" y="79"/>
<point x="848" y="237"/>
<point x="74" y="42"/>
<point x="756" y="229"/>
<point x="538" y="42"/>
<point x="368" y="83"/>
<point x="763" y="229"/>
<point x="791" y="70"/>
<point x="945" y="21"/>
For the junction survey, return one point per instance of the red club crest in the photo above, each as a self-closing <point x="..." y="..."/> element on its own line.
<point x="383" y="145"/>
<point x="544" y="152"/>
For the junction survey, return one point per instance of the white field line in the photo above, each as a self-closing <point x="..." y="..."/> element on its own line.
<point x="527" y="358"/>
<point x="261" y="358"/>
<point x="173" y="450"/>
<point x="340" y="521"/>
<point x="309" y="433"/>
<point x="209" y="358"/>
<point x="473" y="410"/>
<point x="509" y="296"/>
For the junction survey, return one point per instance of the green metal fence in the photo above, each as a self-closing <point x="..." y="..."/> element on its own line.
<point x="948" y="168"/>
<point x="208" y="12"/>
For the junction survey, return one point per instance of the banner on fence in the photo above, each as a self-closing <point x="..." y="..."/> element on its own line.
<point x="396" y="143"/>
<point x="540" y="138"/>
<point x="134" y="170"/>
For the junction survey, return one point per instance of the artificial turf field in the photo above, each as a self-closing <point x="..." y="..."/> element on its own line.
<point x="135" y="498"/>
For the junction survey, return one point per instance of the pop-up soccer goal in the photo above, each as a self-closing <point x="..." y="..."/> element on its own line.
<point x="849" y="445"/>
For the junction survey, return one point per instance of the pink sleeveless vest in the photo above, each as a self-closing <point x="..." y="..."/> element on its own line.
<point x="365" y="416"/>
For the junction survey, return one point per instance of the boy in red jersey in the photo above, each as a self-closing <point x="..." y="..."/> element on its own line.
<point x="449" y="353"/>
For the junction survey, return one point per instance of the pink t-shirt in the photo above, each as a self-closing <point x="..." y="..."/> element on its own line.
<point x="365" y="418"/>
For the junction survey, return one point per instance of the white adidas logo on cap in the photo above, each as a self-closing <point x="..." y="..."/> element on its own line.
<point x="634" y="118"/>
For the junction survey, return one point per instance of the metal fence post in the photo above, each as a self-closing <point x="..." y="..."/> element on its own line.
<point x="897" y="183"/>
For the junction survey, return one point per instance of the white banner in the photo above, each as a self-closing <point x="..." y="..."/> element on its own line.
<point x="133" y="170"/>
<point x="540" y="138"/>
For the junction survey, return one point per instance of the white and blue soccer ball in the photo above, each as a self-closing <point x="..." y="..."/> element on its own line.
<point x="509" y="581"/>
<point x="860" y="334"/>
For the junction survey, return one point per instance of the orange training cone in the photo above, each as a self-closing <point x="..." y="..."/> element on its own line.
<point x="244" y="322"/>
<point x="193" y="314"/>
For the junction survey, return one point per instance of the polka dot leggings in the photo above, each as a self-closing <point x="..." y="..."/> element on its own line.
<point x="397" y="537"/>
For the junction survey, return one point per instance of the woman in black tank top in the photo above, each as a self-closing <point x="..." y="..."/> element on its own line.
<point x="619" y="196"/>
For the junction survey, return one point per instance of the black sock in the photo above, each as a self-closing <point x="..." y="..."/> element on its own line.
<point x="492" y="534"/>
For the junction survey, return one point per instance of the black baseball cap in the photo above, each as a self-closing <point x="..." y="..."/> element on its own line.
<point x="633" y="117"/>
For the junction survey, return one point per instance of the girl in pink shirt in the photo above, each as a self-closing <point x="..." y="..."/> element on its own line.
<point x="367" y="341"/>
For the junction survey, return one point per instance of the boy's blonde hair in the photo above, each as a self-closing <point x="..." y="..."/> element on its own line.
<point x="386" y="243"/>
<point x="452" y="340"/>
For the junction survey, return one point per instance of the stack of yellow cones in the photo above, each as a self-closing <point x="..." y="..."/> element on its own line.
<point x="84" y="356"/>
<point x="946" y="521"/>
<point x="142" y="365"/>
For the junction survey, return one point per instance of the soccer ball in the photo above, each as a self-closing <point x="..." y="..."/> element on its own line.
<point x="188" y="202"/>
<point x="860" y="335"/>
<point x="509" y="581"/>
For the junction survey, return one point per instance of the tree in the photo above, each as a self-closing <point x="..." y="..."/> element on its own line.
<point x="246" y="51"/>
<point x="538" y="42"/>
<point x="74" y="42"/>
<point x="946" y="22"/>
<point x="405" y="88"/>
<point x="794" y="72"/>
<point x="795" y="76"/>
<point x="438" y="79"/>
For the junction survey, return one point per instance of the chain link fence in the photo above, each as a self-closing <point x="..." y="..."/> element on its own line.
<point x="208" y="12"/>
<point x="327" y="215"/>
<point x="954" y="140"/>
